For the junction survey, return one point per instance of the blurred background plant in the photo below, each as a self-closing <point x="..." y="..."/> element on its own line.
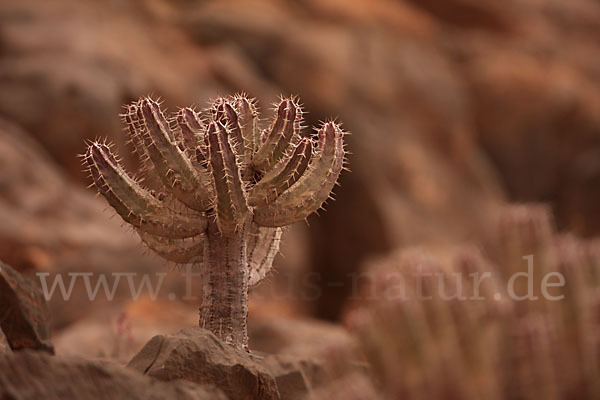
<point x="485" y="342"/>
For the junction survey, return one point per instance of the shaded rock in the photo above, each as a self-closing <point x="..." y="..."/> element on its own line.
<point x="25" y="319"/>
<point x="197" y="355"/>
<point x="29" y="375"/>
<point x="4" y="346"/>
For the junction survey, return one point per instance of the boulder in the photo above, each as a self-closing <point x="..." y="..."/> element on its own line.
<point x="196" y="355"/>
<point x="25" y="320"/>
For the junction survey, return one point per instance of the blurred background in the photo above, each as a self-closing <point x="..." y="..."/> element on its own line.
<point x="457" y="109"/>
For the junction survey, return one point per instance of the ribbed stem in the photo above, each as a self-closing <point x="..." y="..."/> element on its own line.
<point x="224" y="309"/>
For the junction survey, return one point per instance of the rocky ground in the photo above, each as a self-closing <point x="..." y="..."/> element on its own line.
<point x="456" y="108"/>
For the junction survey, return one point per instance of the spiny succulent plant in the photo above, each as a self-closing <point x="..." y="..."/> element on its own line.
<point x="494" y="346"/>
<point x="226" y="190"/>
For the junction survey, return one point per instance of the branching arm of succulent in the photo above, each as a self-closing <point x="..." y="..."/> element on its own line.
<point x="135" y="204"/>
<point x="313" y="188"/>
<point x="247" y="119"/>
<point x="190" y="127"/>
<point x="262" y="247"/>
<point x="226" y="193"/>
<point x="278" y="137"/>
<point x="231" y="206"/>
<point x="180" y="251"/>
<point x="282" y="176"/>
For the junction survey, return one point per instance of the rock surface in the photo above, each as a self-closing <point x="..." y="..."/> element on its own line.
<point x="25" y="320"/>
<point x="196" y="355"/>
<point x="30" y="376"/>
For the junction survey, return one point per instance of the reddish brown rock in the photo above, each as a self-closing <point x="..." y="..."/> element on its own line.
<point x="197" y="355"/>
<point x="25" y="319"/>
<point x="30" y="376"/>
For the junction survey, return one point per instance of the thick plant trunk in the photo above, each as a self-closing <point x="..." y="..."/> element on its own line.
<point x="224" y="309"/>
